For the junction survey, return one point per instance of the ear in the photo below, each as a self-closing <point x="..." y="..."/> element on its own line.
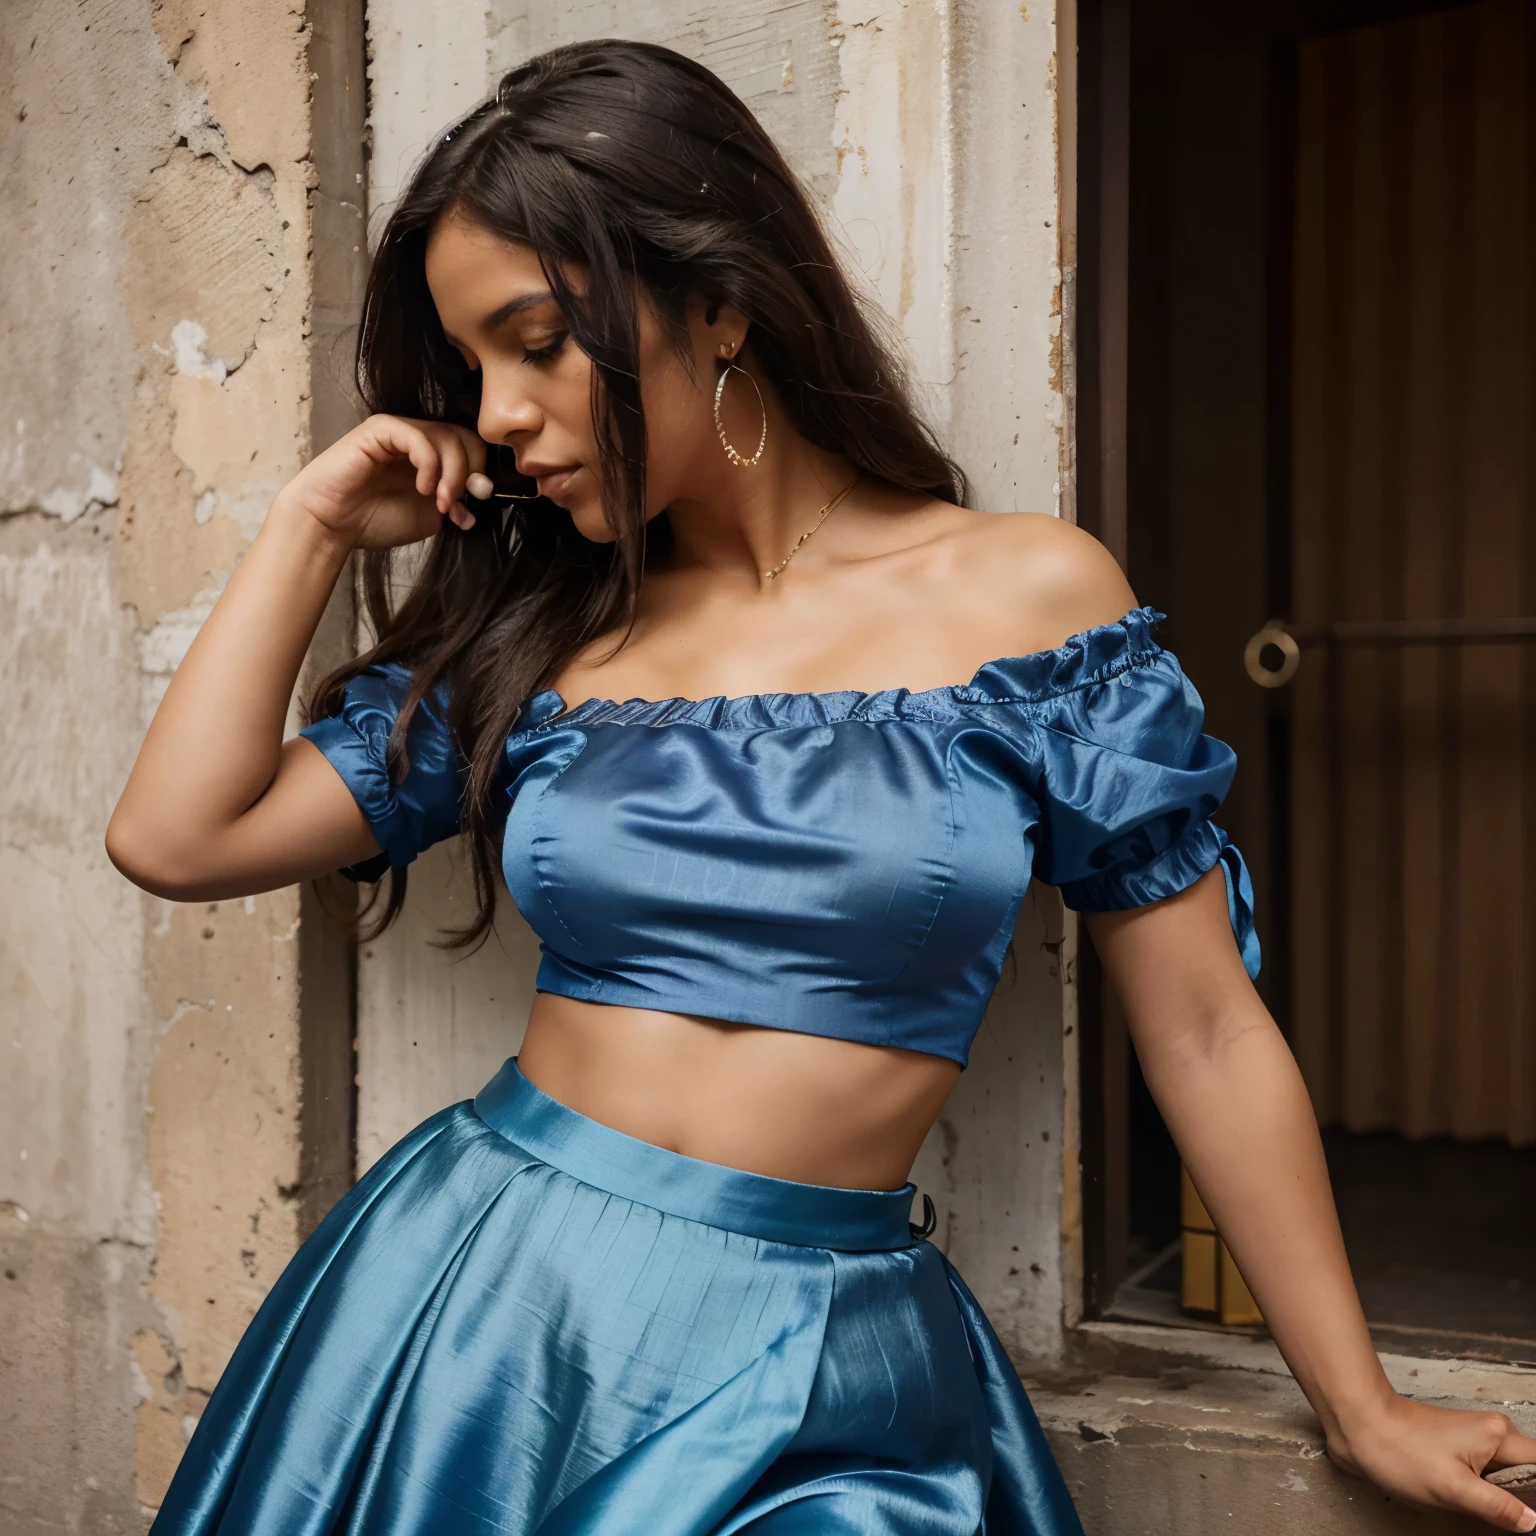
<point x="717" y="328"/>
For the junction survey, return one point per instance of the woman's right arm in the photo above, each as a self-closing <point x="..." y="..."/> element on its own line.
<point x="217" y="804"/>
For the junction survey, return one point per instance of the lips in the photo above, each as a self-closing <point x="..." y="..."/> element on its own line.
<point x="555" y="482"/>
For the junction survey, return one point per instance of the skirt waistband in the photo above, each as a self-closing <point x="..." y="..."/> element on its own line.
<point x="775" y="1210"/>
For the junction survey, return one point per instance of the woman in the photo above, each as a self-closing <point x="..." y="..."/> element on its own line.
<point x="659" y="1276"/>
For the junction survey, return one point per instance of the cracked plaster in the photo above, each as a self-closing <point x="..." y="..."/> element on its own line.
<point x="155" y="174"/>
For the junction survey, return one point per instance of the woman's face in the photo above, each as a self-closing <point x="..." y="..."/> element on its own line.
<point x="536" y="383"/>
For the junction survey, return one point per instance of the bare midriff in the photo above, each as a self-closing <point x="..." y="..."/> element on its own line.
<point x="792" y="1106"/>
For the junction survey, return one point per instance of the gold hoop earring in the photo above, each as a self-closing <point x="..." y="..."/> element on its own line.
<point x="740" y="460"/>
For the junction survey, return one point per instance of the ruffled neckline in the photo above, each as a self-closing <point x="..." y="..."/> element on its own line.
<point x="1091" y="656"/>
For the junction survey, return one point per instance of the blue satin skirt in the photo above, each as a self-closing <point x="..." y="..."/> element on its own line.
<point x="523" y="1321"/>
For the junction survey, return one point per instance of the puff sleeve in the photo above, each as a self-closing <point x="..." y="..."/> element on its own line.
<point x="423" y="808"/>
<point x="1128" y="784"/>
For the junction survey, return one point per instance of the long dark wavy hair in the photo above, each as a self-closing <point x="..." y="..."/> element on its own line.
<point x="641" y="169"/>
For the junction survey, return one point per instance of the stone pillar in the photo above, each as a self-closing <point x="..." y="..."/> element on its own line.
<point x="184" y="198"/>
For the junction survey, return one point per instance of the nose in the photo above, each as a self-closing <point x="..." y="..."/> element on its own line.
<point x="508" y="414"/>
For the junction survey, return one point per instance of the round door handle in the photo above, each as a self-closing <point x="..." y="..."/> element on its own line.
<point x="1272" y="635"/>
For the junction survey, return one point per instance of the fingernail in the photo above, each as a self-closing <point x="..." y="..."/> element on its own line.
<point x="467" y="521"/>
<point x="1527" y="1521"/>
<point x="480" y="486"/>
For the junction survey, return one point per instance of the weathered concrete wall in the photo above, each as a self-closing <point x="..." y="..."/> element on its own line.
<point x="157" y="182"/>
<point x="929" y="134"/>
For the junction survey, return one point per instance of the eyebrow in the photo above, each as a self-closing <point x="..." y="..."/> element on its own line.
<point x="499" y="317"/>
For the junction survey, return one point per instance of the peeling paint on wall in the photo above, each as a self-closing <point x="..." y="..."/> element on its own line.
<point x="417" y="91"/>
<point x="893" y="203"/>
<point x="157" y="178"/>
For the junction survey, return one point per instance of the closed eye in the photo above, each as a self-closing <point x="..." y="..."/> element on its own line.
<point x="548" y="352"/>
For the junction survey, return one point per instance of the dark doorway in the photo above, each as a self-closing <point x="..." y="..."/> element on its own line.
<point x="1307" y="350"/>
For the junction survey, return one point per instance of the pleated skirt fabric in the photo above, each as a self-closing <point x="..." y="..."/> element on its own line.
<point x="521" y="1321"/>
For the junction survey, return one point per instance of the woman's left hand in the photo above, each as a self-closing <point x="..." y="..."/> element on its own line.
<point x="1437" y="1457"/>
<point x="1230" y="1091"/>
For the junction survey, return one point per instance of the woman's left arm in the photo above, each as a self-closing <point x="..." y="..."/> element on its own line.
<point x="1232" y="1096"/>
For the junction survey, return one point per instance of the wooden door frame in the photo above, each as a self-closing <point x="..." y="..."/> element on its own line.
<point x="1103" y="353"/>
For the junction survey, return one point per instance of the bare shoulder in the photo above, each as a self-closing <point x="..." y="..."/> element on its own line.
<point x="1042" y="577"/>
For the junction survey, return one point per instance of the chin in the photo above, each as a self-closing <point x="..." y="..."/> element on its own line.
<point x="590" y="522"/>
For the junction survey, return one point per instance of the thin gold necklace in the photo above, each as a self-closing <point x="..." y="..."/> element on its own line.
<point x="824" y="514"/>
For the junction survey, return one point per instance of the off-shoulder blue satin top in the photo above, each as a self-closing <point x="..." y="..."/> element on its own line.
<point x="845" y="864"/>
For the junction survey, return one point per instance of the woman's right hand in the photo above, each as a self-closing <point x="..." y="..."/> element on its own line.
<point x="391" y="481"/>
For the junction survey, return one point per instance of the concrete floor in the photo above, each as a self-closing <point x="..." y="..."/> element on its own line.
<point x="1180" y="1433"/>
